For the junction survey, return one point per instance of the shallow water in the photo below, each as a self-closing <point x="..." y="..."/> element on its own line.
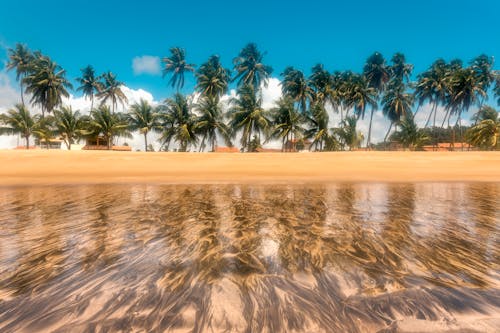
<point x="265" y="258"/>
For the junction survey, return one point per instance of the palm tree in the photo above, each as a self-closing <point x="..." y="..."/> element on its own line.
<point x="176" y="65"/>
<point x="143" y="117"/>
<point x="68" y="124"/>
<point x="409" y="135"/>
<point x="318" y="127"/>
<point x="320" y="82"/>
<point x="247" y="115"/>
<point x="400" y="70"/>
<point x="19" y="121"/>
<point x="46" y="130"/>
<point x="179" y="123"/>
<point x="296" y="86"/>
<point x="377" y="75"/>
<point x="348" y="133"/>
<point x="210" y="122"/>
<point x="497" y="86"/>
<point x="213" y="79"/>
<point x="90" y="84"/>
<point x="104" y="122"/>
<point x="486" y="133"/>
<point x="433" y="86"/>
<point x="21" y="59"/>
<point x="47" y="83"/>
<point x="482" y="67"/>
<point x="249" y="69"/>
<point x="111" y="91"/>
<point x="286" y="122"/>
<point x="397" y="103"/>
<point x="361" y="95"/>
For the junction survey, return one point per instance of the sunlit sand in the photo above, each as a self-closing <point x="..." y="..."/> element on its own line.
<point x="77" y="167"/>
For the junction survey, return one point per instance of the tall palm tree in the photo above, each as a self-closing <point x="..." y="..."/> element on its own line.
<point x="212" y="78"/>
<point x="397" y="103"/>
<point x="320" y="82"/>
<point x="143" y="117"/>
<point x="400" y="70"/>
<point x="432" y="86"/>
<point x="296" y="86"/>
<point x="249" y="69"/>
<point x="486" y="133"/>
<point x="497" y="86"/>
<point x="247" y="115"/>
<point x="20" y="59"/>
<point x="111" y="91"/>
<point x="90" y="84"/>
<point x="286" y="122"/>
<point x="377" y="75"/>
<point x="68" y="124"/>
<point x="482" y="67"/>
<point x="19" y="121"/>
<point x="47" y="83"/>
<point x="210" y="122"/>
<point x="361" y="95"/>
<point x="177" y="66"/>
<point x="179" y="123"/>
<point x="104" y="122"/>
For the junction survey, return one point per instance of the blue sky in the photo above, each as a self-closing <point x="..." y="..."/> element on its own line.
<point x="339" y="34"/>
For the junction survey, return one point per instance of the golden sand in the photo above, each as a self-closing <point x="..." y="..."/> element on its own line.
<point x="39" y="167"/>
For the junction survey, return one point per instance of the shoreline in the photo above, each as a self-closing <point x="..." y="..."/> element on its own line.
<point x="54" y="167"/>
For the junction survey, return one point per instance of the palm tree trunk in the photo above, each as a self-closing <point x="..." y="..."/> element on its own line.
<point x="444" y="120"/>
<point x="430" y="115"/>
<point x="416" y="111"/>
<point x="91" y="102"/>
<point x="389" y="131"/>
<point x="27" y="142"/>
<point x="22" y="94"/>
<point x="213" y="144"/>
<point x="369" y="130"/>
<point x="146" y="141"/>
<point x="109" y="142"/>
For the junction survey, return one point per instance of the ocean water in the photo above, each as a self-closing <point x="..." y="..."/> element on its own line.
<point x="241" y="258"/>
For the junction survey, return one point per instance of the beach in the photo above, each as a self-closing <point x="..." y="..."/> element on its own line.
<point x="46" y="167"/>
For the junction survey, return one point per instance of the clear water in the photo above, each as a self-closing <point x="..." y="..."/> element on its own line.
<point x="231" y="258"/>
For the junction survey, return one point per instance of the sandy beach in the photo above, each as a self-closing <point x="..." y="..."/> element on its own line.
<point x="39" y="167"/>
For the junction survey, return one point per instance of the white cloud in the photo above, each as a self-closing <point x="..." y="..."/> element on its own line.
<point x="146" y="65"/>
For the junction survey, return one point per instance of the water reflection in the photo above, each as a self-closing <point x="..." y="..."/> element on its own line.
<point x="229" y="258"/>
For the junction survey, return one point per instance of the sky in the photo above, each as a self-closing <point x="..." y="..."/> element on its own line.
<point x="130" y="37"/>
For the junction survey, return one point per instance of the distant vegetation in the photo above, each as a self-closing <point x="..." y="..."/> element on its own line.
<point x="301" y="115"/>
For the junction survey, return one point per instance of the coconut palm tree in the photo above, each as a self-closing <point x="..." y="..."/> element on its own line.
<point x="377" y="75"/>
<point x="68" y="124"/>
<point x="90" y="84"/>
<point x="486" y="133"/>
<point x="296" y="86"/>
<point x="178" y="123"/>
<point x="20" y="59"/>
<point x="46" y="130"/>
<point x="482" y="67"/>
<point x="318" y="127"/>
<point x="396" y="103"/>
<point x="400" y="70"/>
<point x="143" y="117"/>
<point x="348" y="134"/>
<point x="177" y="66"/>
<point x="249" y="69"/>
<point x="47" y="84"/>
<point x="409" y="135"/>
<point x="247" y="115"/>
<point x="497" y="86"/>
<point x="210" y="122"/>
<point x="320" y="82"/>
<point x="111" y="91"/>
<point x="104" y="122"/>
<point x="19" y="121"/>
<point x="361" y="95"/>
<point x="287" y="122"/>
<point x="433" y="86"/>
<point x="212" y="78"/>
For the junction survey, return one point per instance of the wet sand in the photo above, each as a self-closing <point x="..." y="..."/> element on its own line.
<point x="40" y="167"/>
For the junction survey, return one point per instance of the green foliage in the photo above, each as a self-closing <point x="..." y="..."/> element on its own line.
<point x="212" y="78"/>
<point x="68" y="124"/>
<point x="144" y="118"/>
<point x="409" y="135"/>
<point x="111" y="91"/>
<point x="19" y="121"/>
<point x="249" y="69"/>
<point x="103" y="121"/>
<point x="176" y="66"/>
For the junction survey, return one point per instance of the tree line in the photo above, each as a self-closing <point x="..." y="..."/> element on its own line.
<point x="198" y="121"/>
